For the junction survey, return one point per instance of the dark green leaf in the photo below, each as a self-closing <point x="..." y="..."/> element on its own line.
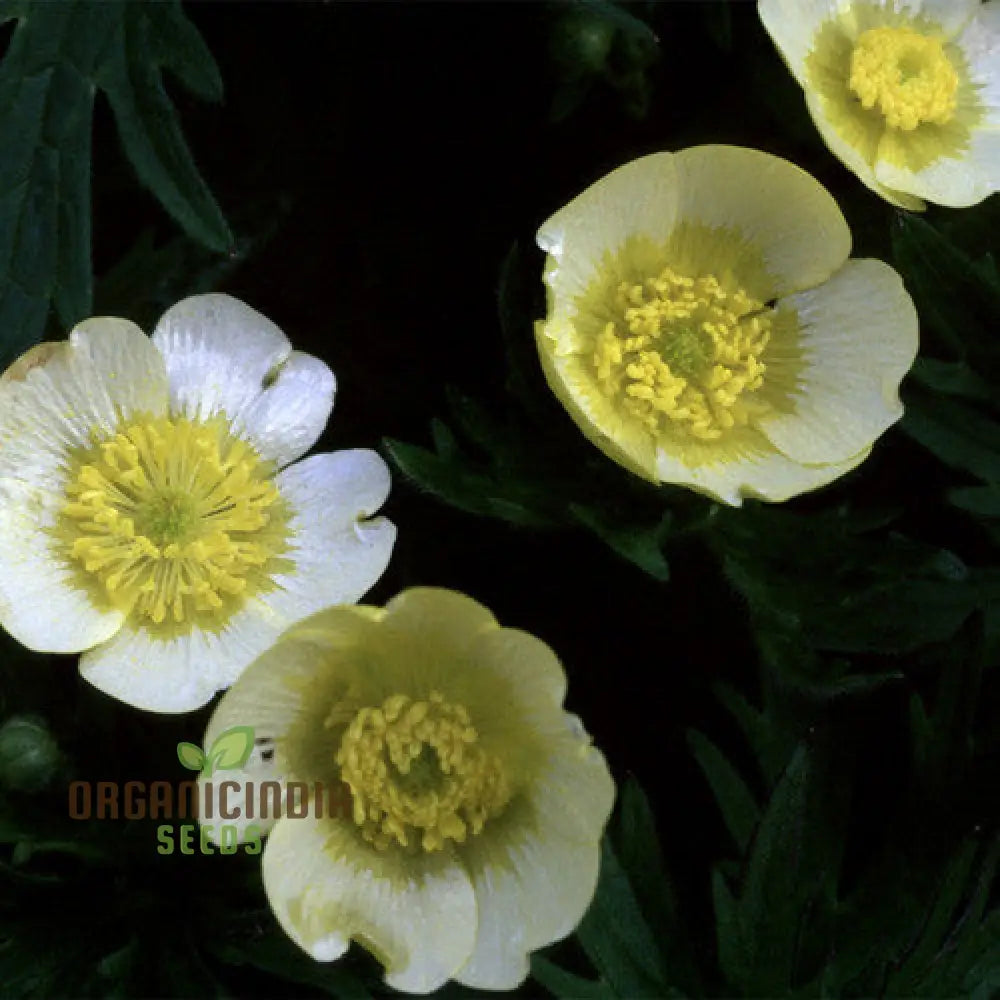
<point x="561" y="983"/>
<point x="640" y="545"/>
<point x="616" y="937"/>
<point x="56" y="57"/>
<point x="735" y="800"/>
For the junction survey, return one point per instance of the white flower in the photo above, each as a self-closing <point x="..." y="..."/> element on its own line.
<point x="706" y="327"/>
<point x="151" y="515"/>
<point x="437" y="803"/>
<point x="905" y="92"/>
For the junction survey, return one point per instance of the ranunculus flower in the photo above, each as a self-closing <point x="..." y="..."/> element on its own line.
<point x="471" y="804"/>
<point x="906" y="94"/>
<point x="150" y="513"/>
<point x="705" y="326"/>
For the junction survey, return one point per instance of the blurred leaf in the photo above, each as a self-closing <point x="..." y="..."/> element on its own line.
<point x="617" y="938"/>
<point x="981" y="500"/>
<point x="561" y="983"/>
<point x="956" y="433"/>
<point x="56" y="58"/>
<point x="735" y="800"/>
<point x="640" y="545"/>
<point x="772" y="931"/>
<point x="474" y="492"/>
<point x="828" y="578"/>
<point x="640" y="857"/>
<point x="958" y="298"/>
<point x="952" y="378"/>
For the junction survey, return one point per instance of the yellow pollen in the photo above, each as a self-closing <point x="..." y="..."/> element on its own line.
<point x="172" y="517"/>
<point x="418" y="775"/>
<point x="906" y="75"/>
<point x="685" y="353"/>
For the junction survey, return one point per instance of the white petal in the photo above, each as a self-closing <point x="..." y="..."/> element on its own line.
<point x="107" y="368"/>
<point x="288" y="417"/>
<point x="858" y="338"/>
<point x="853" y="159"/>
<point x="180" y="673"/>
<point x="325" y="885"/>
<point x="338" y="554"/>
<point x="951" y="15"/>
<point x="637" y="199"/>
<point x="785" y="213"/>
<point x="760" y="471"/>
<point x="534" y="869"/>
<point x="793" y="24"/>
<point x="41" y="603"/>
<point x="224" y="357"/>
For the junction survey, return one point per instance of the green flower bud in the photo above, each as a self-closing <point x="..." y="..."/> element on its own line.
<point x="29" y="756"/>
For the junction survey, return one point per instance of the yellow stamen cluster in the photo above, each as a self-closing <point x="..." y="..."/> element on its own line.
<point x="169" y="516"/>
<point x="418" y="775"/>
<point x="686" y="351"/>
<point x="906" y="75"/>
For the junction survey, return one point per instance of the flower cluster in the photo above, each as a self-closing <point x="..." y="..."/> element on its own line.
<point x="705" y="327"/>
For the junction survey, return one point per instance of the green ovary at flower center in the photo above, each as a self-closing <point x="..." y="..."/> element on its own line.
<point x="906" y="75"/>
<point x="173" y="519"/>
<point x="686" y="353"/>
<point x="418" y="774"/>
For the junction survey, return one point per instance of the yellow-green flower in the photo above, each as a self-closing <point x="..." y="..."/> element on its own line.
<point x="151" y="513"/>
<point x="472" y="804"/>
<point x="705" y="326"/>
<point x="906" y="94"/>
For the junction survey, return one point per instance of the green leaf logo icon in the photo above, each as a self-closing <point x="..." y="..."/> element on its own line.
<point x="229" y="751"/>
<point x="190" y="756"/>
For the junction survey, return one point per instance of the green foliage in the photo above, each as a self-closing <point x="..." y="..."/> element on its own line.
<point x="59" y="55"/>
<point x="632" y="934"/>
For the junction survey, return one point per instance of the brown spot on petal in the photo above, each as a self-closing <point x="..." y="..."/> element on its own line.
<point x="37" y="356"/>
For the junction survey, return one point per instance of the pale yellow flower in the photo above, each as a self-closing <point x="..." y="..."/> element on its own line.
<point x="473" y="803"/>
<point x="150" y="513"/>
<point x="905" y="92"/>
<point x="705" y="326"/>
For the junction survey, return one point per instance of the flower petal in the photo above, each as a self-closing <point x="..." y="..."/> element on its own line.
<point x="857" y="338"/>
<point x="534" y="869"/>
<point x="755" y="469"/>
<point x="782" y="211"/>
<point x="854" y="159"/>
<point x="444" y="621"/>
<point x="339" y="551"/>
<point x="623" y="440"/>
<point x="52" y="401"/>
<point x="108" y="368"/>
<point x="41" y="604"/>
<point x="224" y="357"/>
<point x="182" y="672"/>
<point x="416" y="913"/>
<point x="793" y="24"/>
<point x="637" y="199"/>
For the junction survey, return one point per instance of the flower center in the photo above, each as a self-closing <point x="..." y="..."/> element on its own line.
<point x="685" y="352"/>
<point x="174" y="518"/>
<point x="418" y="775"/>
<point x="906" y="75"/>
